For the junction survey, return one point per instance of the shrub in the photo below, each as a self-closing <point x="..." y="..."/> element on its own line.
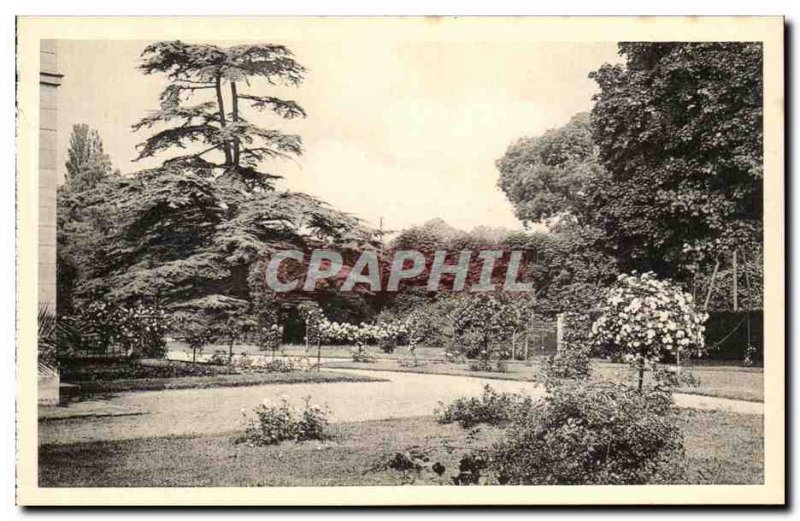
<point x="491" y="408"/>
<point x="274" y="423"/>
<point x="361" y="355"/>
<point x="489" y="366"/>
<point x="600" y="433"/>
<point x="219" y="357"/>
<point x="137" y="330"/>
<point x="570" y="363"/>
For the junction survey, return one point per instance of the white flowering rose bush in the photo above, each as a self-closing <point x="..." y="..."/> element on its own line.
<point x="645" y="318"/>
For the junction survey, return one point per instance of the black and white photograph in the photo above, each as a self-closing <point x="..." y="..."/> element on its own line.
<point x="477" y="258"/>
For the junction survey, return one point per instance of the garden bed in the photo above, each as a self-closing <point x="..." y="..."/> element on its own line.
<point x="220" y="380"/>
<point x="721" y="448"/>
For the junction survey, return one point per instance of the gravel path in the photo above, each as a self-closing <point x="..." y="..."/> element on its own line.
<point x="210" y="411"/>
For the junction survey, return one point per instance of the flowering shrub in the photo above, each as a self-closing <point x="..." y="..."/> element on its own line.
<point x="277" y="422"/>
<point x="491" y="408"/>
<point x="277" y="365"/>
<point x="599" y="433"/>
<point x="269" y="337"/>
<point x="645" y="318"/>
<point x="135" y="330"/>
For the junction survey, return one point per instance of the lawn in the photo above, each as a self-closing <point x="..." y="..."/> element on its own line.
<point x="721" y="448"/>
<point x="737" y="383"/>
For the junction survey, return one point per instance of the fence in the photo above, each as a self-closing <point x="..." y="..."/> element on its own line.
<point x="539" y="339"/>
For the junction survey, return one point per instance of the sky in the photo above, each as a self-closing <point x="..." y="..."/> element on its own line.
<point x="403" y="131"/>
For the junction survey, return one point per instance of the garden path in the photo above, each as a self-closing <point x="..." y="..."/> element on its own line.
<point x="219" y="410"/>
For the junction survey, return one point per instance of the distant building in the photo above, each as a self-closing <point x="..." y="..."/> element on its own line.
<point x="49" y="80"/>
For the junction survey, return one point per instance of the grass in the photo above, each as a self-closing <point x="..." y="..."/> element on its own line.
<point x="721" y="448"/>
<point x="222" y="380"/>
<point x="737" y="383"/>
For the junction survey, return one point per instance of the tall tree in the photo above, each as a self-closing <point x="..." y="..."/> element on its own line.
<point x="87" y="164"/>
<point x="193" y="233"/>
<point x="548" y="177"/>
<point x="679" y="130"/>
<point x="216" y="123"/>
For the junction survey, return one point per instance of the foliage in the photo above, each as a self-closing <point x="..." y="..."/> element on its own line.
<point x="470" y="469"/>
<point x="195" y="69"/>
<point x="86" y="164"/>
<point x="482" y="325"/>
<point x="570" y="363"/>
<point x="274" y="423"/>
<point x="598" y="434"/>
<point x="311" y="313"/>
<point x="679" y="128"/>
<point x="194" y="234"/>
<point x="57" y="336"/>
<point x="548" y="177"/>
<point x="81" y="370"/>
<point x="491" y="408"/>
<point x="414" y="464"/>
<point x="136" y="330"/>
<point x="646" y="318"/>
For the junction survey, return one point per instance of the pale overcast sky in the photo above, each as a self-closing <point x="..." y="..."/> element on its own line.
<point x="407" y="131"/>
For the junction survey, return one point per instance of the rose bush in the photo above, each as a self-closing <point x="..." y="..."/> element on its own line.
<point x="593" y="433"/>
<point x="273" y="423"/>
<point x="645" y="319"/>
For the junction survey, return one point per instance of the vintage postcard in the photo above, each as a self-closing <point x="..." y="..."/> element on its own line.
<point x="400" y="261"/>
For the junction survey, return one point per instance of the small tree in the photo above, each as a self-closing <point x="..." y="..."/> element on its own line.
<point x="482" y="324"/>
<point x="645" y="318"/>
<point x="313" y="316"/>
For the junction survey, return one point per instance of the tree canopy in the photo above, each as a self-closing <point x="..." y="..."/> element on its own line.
<point x="679" y="131"/>
<point x="208" y="125"/>
<point x="192" y="233"/>
<point x="86" y="164"/>
<point x="549" y="176"/>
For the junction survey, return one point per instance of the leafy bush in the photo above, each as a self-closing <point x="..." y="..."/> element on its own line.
<point x="491" y="408"/>
<point x="81" y="369"/>
<point x="489" y="366"/>
<point x="138" y="330"/>
<point x="571" y="362"/>
<point x="274" y="423"/>
<point x="219" y="357"/>
<point x="361" y="355"/>
<point x="599" y="433"/>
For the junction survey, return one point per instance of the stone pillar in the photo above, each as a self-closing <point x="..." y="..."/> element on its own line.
<point x="49" y="80"/>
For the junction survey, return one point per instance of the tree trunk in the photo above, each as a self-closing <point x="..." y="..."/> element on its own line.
<point x="319" y="355"/>
<point x="641" y="374"/>
<point x="235" y="115"/>
<point x="222" y="122"/>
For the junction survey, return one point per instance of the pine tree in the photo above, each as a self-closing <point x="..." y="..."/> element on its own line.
<point x="216" y="123"/>
<point x="193" y="233"/>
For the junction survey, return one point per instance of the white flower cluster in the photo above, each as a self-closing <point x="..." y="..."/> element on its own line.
<point x="362" y="333"/>
<point x="646" y="316"/>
